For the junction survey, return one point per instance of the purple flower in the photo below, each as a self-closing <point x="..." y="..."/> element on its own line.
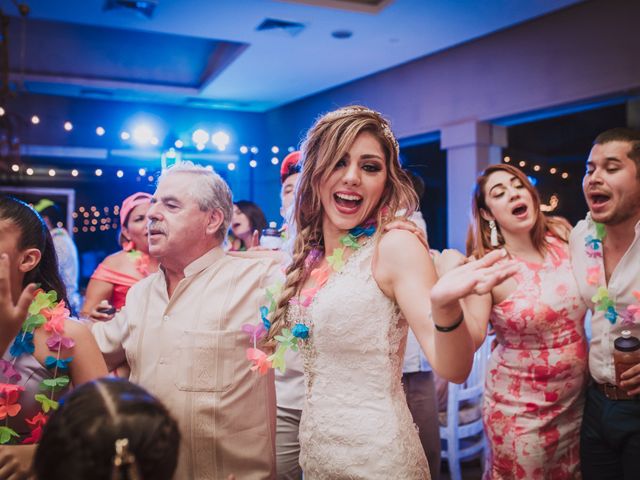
<point x="57" y="341"/>
<point x="9" y="371"/>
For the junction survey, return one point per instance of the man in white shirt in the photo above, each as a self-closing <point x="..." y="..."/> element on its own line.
<point x="181" y="331"/>
<point x="605" y="254"/>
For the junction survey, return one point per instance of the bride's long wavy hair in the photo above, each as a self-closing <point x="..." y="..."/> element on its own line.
<point x="328" y="140"/>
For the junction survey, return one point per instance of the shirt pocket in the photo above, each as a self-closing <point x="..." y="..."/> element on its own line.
<point x="207" y="361"/>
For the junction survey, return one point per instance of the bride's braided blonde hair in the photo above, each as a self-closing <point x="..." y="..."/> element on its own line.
<point x="328" y="140"/>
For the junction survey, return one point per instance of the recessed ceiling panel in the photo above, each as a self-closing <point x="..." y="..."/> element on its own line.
<point x="55" y="51"/>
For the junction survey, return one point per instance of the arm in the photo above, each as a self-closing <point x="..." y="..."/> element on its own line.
<point x="475" y="308"/>
<point x="97" y="291"/>
<point x="466" y="289"/>
<point x="405" y="273"/>
<point x="88" y="363"/>
<point x="109" y="337"/>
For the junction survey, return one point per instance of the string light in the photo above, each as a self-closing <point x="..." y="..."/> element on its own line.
<point x="98" y="172"/>
<point x="74" y="173"/>
<point x="2" y="112"/>
<point x="142" y="172"/>
<point x="553" y="170"/>
<point x="52" y="172"/>
<point x="507" y="159"/>
<point x="275" y="160"/>
<point x="231" y="166"/>
<point x="15" y="167"/>
<point x="119" y="174"/>
<point x="100" y="131"/>
<point x="35" y="120"/>
<point x="254" y="150"/>
<point x="522" y="163"/>
<point x="68" y="126"/>
<point x="125" y="136"/>
<point x="275" y="150"/>
<point x="536" y="168"/>
<point x="253" y="163"/>
<point x="178" y="143"/>
<point x="565" y="175"/>
<point x="244" y="149"/>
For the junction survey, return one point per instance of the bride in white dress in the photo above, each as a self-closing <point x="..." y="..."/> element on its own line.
<point x="353" y="292"/>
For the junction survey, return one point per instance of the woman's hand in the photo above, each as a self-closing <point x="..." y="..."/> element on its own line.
<point x="15" y="462"/>
<point x="12" y="315"/>
<point x="102" y="312"/>
<point x="409" y="226"/>
<point x="474" y="277"/>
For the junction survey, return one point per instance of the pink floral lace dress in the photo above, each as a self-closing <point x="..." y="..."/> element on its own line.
<point x="537" y="374"/>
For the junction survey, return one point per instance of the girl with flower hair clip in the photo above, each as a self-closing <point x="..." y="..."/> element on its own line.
<point x="50" y="352"/>
<point x="349" y="296"/>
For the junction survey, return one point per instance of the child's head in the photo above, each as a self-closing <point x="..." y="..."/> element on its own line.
<point x="108" y="429"/>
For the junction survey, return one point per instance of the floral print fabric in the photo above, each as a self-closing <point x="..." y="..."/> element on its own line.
<point x="537" y="374"/>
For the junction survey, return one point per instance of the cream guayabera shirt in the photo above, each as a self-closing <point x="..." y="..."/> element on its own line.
<point x="623" y="288"/>
<point x="190" y="352"/>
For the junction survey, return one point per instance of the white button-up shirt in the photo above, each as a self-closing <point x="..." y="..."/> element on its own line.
<point x="623" y="289"/>
<point x="190" y="352"/>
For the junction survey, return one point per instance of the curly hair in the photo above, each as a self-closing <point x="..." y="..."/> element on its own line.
<point x="79" y="440"/>
<point x="328" y="140"/>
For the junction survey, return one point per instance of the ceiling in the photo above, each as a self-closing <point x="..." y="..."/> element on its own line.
<point x="209" y="53"/>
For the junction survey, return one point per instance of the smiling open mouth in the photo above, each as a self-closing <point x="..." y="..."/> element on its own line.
<point x="347" y="200"/>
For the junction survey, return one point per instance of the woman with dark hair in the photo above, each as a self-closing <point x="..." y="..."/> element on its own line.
<point x="247" y="219"/>
<point x="112" y="279"/>
<point x="350" y="295"/>
<point x="109" y="429"/>
<point x="50" y="351"/>
<point x="537" y="376"/>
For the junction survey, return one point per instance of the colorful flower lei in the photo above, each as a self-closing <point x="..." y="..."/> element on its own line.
<point x="290" y="339"/>
<point x="140" y="260"/>
<point x="595" y="277"/>
<point x="45" y="311"/>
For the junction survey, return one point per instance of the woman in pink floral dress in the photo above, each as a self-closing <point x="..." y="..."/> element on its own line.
<point x="537" y="373"/>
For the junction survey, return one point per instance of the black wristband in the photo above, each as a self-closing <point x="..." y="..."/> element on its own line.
<point x="449" y="328"/>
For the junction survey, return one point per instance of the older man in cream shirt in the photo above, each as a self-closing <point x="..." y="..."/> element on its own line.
<point x="181" y="331"/>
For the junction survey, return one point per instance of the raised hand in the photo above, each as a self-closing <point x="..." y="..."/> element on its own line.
<point x="473" y="277"/>
<point x="12" y="315"/>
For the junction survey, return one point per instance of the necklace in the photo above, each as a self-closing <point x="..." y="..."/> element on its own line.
<point x="289" y="339"/>
<point x="595" y="276"/>
<point x="140" y="260"/>
<point x="45" y="311"/>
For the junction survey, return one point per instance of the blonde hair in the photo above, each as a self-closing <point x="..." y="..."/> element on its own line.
<point x="327" y="141"/>
<point x="479" y="233"/>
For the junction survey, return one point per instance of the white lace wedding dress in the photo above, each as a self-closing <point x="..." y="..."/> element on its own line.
<point x="356" y="423"/>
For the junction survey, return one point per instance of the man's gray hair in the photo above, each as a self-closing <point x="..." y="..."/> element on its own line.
<point x="208" y="189"/>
